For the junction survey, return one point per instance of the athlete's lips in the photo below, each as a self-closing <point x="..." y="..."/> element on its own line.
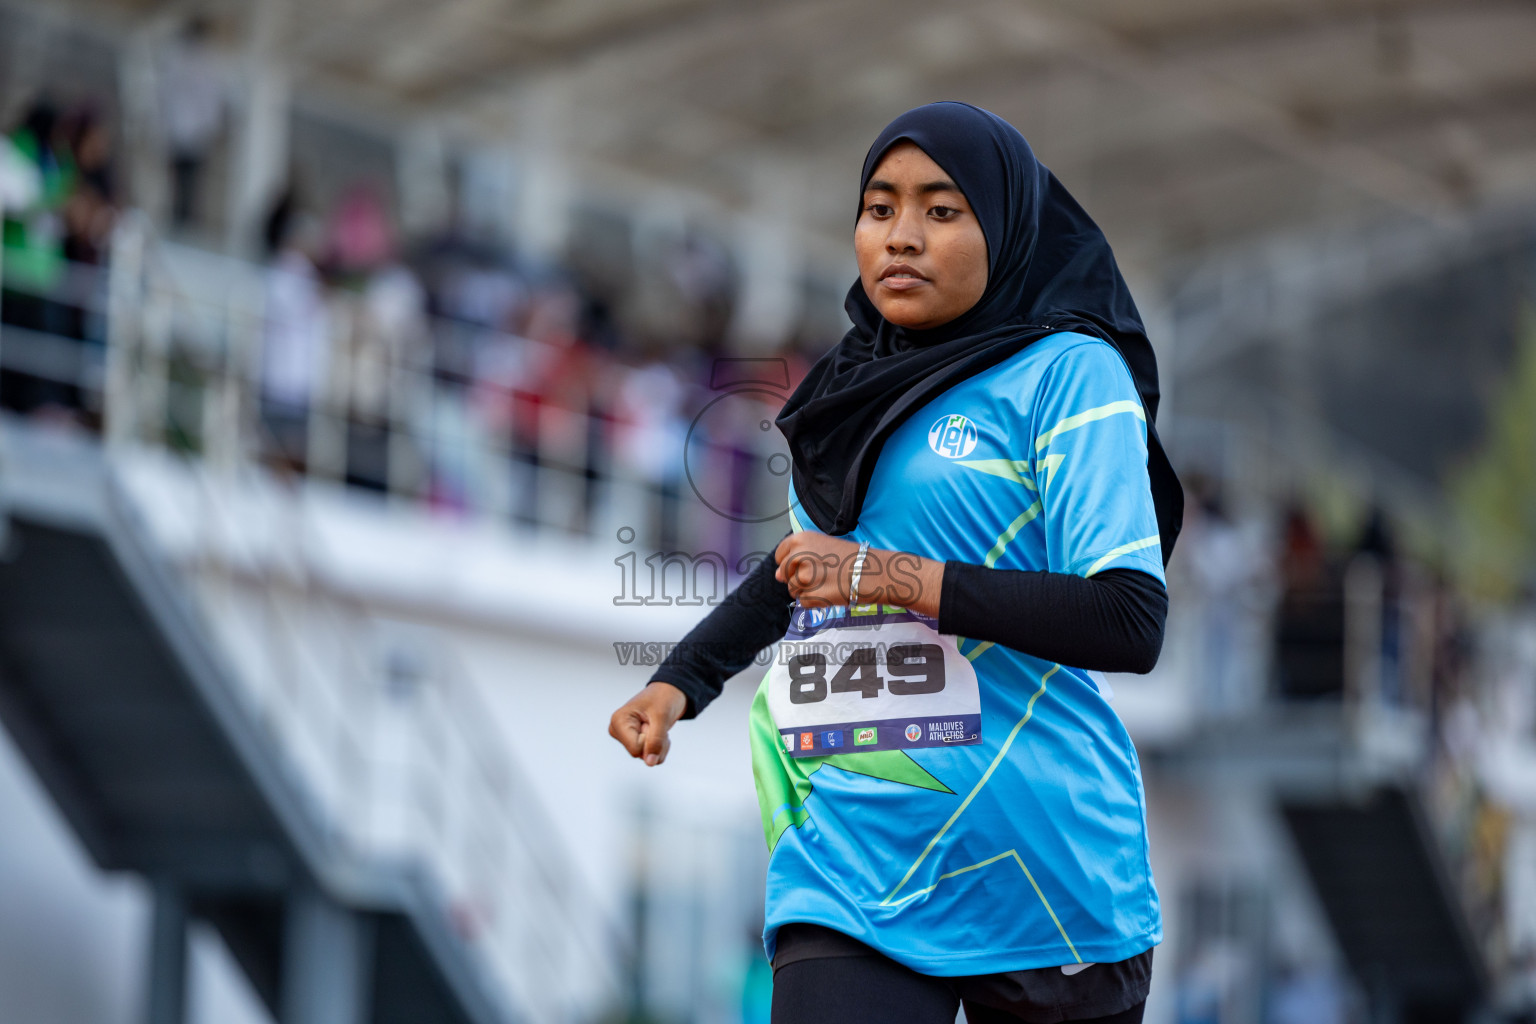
<point x="901" y="276"/>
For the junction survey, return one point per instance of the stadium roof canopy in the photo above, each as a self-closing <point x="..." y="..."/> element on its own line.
<point x="1181" y="124"/>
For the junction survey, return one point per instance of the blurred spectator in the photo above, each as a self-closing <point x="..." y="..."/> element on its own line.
<point x="58" y="208"/>
<point x="559" y="409"/>
<point x="359" y="236"/>
<point x="90" y="212"/>
<point x="192" y="101"/>
<point x="91" y="209"/>
<point x="34" y="263"/>
<point x="383" y="331"/>
<point x="296" y="343"/>
<point x="477" y="300"/>
<point x="21" y="181"/>
<point x="651" y="443"/>
<point x="1449" y="649"/>
<point x="1309" y="635"/>
<point x="1229" y="571"/>
<point x="390" y="364"/>
<point x="34" y="235"/>
<point x="700" y="267"/>
<point x="478" y="294"/>
<point x="1377" y="546"/>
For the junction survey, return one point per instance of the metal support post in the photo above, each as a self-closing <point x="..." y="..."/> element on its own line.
<point x="327" y="961"/>
<point x="167" y="996"/>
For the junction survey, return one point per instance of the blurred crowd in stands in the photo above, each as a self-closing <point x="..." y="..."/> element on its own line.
<point x="425" y="356"/>
<point x="532" y="365"/>
<point x="58" y="193"/>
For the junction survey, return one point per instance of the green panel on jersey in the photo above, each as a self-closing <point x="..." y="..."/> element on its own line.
<point x="784" y="782"/>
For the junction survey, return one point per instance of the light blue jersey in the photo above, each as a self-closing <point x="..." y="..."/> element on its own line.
<point x="887" y="817"/>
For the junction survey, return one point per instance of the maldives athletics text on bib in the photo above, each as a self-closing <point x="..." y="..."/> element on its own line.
<point x="870" y="677"/>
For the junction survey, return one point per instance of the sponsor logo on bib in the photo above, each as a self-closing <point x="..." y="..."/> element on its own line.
<point x="814" y="617"/>
<point x="807" y="741"/>
<point x="865" y="737"/>
<point x="952" y="436"/>
<point x="914" y="733"/>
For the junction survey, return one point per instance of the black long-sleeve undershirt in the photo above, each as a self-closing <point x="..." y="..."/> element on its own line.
<point x="1111" y="621"/>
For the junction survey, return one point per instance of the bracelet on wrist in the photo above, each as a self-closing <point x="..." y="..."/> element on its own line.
<point x="858" y="571"/>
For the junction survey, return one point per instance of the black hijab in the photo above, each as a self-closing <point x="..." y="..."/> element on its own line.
<point x="1050" y="269"/>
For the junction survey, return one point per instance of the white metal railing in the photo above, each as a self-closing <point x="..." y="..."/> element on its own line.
<point x="184" y="370"/>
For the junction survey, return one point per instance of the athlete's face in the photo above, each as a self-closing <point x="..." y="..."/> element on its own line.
<point x="922" y="255"/>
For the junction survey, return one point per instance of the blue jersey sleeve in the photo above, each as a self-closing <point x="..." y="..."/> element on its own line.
<point x="1090" y="460"/>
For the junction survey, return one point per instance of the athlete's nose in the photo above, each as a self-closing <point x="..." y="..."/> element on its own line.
<point x="905" y="235"/>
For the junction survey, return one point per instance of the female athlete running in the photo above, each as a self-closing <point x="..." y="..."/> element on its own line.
<point x="981" y="514"/>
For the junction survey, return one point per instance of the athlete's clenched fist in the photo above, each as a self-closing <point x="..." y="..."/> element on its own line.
<point x="642" y="724"/>
<point x="815" y="567"/>
<point x="818" y="570"/>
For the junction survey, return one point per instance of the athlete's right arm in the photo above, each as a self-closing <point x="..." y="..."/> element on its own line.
<point x="751" y="618"/>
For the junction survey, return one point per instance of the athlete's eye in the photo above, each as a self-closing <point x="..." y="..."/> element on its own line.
<point x="944" y="212"/>
<point x="878" y="209"/>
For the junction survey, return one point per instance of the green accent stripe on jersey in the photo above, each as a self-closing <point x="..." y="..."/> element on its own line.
<point x="1008" y="469"/>
<point x="794" y="520"/>
<point x="1007" y="535"/>
<point x="1036" y="886"/>
<point x="986" y="776"/>
<point x="951" y="874"/>
<point x="1123" y="549"/>
<point x="1084" y="418"/>
<point x="1022" y="867"/>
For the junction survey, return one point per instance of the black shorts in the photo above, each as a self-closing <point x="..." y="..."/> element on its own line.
<point x="821" y="976"/>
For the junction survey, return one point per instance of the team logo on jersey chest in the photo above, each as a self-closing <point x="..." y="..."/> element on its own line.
<point x="952" y="436"/>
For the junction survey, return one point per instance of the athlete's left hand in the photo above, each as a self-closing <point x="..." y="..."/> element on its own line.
<point x="818" y="568"/>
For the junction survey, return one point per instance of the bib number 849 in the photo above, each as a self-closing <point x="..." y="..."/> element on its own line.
<point x="912" y="668"/>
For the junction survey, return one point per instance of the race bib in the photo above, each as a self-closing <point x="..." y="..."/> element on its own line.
<point x="870" y="677"/>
